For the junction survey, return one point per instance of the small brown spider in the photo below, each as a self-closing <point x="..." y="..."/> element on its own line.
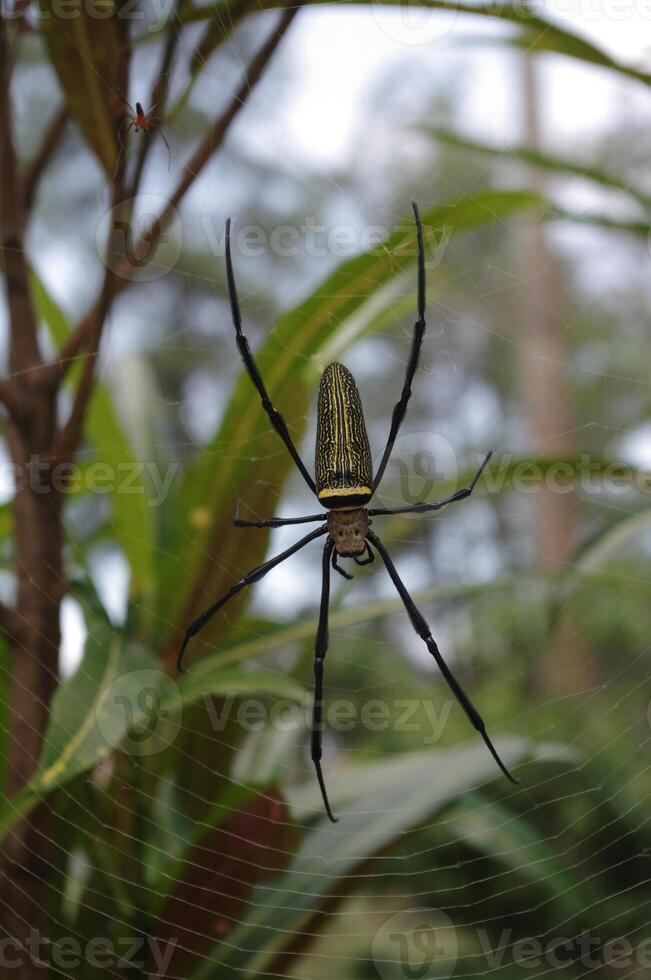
<point x="139" y="120"/>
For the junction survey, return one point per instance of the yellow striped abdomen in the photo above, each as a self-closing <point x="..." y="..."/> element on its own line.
<point x="344" y="472"/>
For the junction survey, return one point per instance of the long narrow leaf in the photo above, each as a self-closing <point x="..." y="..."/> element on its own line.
<point x="537" y="32"/>
<point x="119" y="690"/>
<point x="89" y="54"/>
<point x="546" y="161"/>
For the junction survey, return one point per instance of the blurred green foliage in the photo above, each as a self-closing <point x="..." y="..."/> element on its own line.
<point x="176" y="820"/>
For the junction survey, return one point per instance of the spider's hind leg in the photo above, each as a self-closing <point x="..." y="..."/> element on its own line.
<point x="422" y="628"/>
<point x="253" y="576"/>
<point x="320" y="650"/>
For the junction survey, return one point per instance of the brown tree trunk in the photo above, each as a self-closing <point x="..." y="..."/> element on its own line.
<point x="24" y="892"/>
<point x="33" y="625"/>
<point x="566" y="666"/>
<point x="24" y="896"/>
<point x="37" y="444"/>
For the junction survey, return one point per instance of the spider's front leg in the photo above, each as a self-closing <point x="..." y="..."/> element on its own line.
<point x="423" y="508"/>
<point x="273" y="521"/>
<point x="400" y="408"/>
<point x="273" y="414"/>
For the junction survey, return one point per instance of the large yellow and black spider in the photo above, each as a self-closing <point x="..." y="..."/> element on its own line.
<point x="344" y="485"/>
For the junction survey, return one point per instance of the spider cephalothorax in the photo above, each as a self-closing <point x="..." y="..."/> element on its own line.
<point x="344" y="484"/>
<point x="348" y="530"/>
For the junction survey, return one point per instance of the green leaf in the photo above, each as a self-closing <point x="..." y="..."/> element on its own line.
<point x="213" y="679"/>
<point x="538" y="33"/>
<point x="509" y="839"/>
<point x="563" y="42"/>
<point x="545" y="161"/>
<point x="133" y="517"/>
<point x="121" y="691"/>
<point x="89" y="54"/>
<point x="247" y="460"/>
<point x="365" y="784"/>
<point x="378" y="804"/>
<point x="640" y="228"/>
<point x="542" y="34"/>
<point x="84" y="724"/>
<point x="604" y="546"/>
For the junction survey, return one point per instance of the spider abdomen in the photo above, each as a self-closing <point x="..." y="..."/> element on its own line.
<point x="343" y="467"/>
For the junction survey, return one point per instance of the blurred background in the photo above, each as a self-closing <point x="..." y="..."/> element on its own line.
<point x="187" y="813"/>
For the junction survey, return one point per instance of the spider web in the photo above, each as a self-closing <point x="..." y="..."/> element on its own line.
<point x="436" y="903"/>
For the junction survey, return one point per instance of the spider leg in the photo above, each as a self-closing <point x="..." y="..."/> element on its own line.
<point x="320" y="650"/>
<point x="400" y="408"/>
<point x="423" y="508"/>
<point x="368" y="560"/>
<point x="127" y="125"/>
<point x="273" y="521"/>
<point x="157" y="121"/>
<point x="275" y="417"/>
<point x="423" y="630"/>
<point x="253" y="576"/>
<point x="337" y="567"/>
<point x="121" y="144"/>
